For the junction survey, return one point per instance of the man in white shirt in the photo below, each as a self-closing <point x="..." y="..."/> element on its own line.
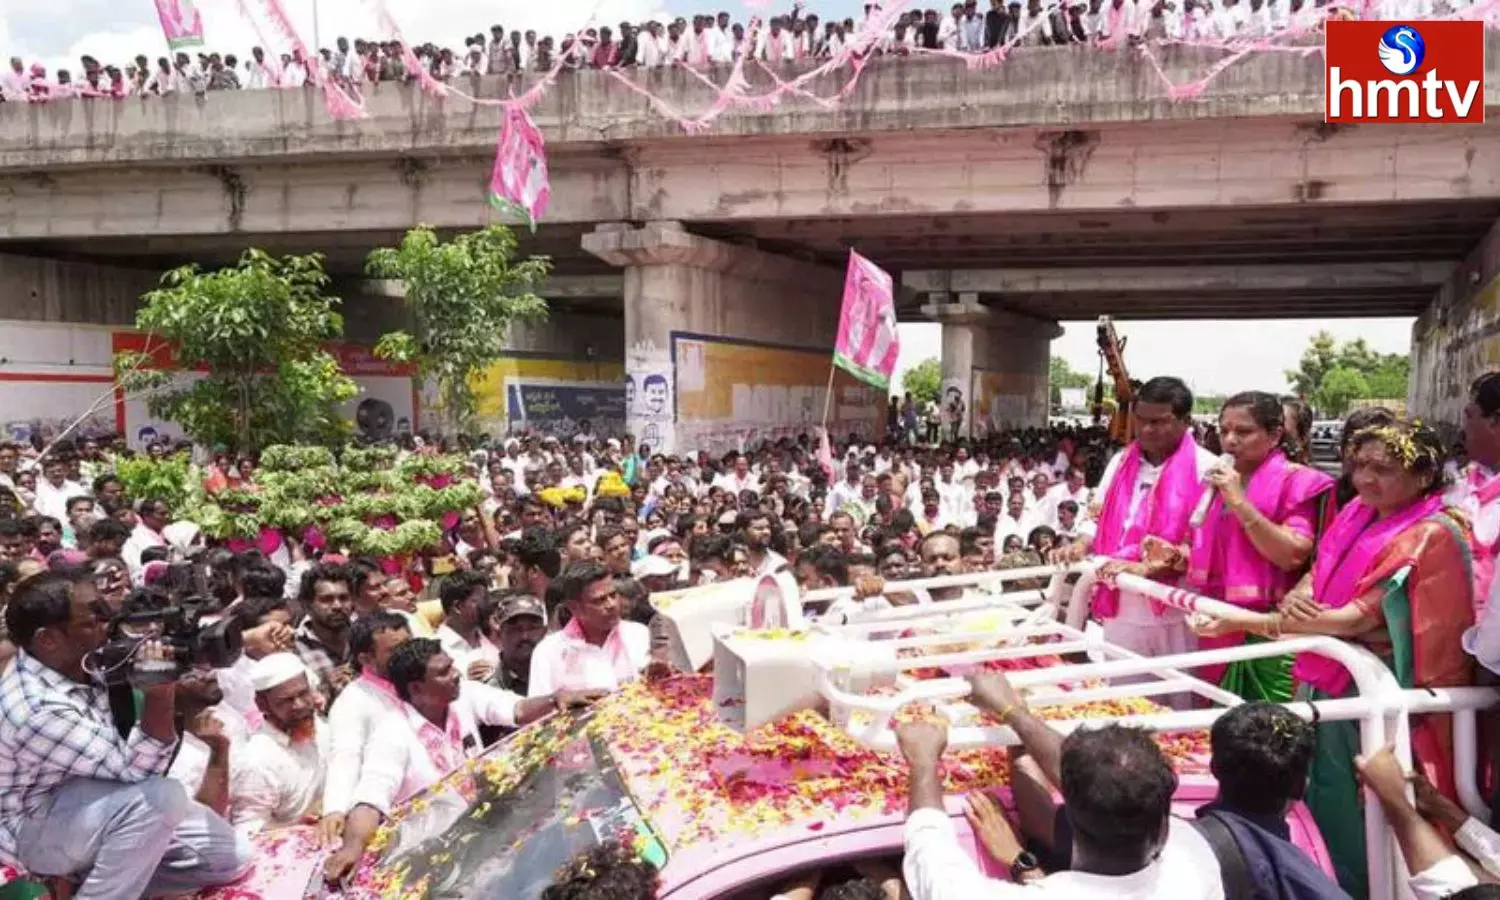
<point x="355" y="717"/>
<point x="598" y="649"/>
<point x="15" y="85"/>
<point x="845" y="492"/>
<point x="152" y="516"/>
<point x="278" y="777"/>
<point x="651" y="50"/>
<point x="460" y="635"/>
<point x="1163" y="417"/>
<point x="54" y="490"/>
<point x="1117" y="787"/>
<point x="1071" y="488"/>
<point x="739" y="478"/>
<point x="257" y="73"/>
<point x="721" y="41"/>
<point x="435" y="732"/>
<point x="755" y="532"/>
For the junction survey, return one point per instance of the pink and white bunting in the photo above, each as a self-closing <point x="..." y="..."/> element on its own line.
<point x="867" y="344"/>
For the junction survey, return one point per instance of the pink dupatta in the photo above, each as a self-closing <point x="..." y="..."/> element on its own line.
<point x="1346" y="553"/>
<point x="573" y="659"/>
<point x="1485" y="536"/>
<point x="1164" y="513"/>
<point x="1224" y="563"/>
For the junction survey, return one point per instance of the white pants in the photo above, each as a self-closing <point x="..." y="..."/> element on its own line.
<point x="1139" y="630"/>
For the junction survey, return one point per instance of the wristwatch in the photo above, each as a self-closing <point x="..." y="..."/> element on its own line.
<point x="1025" y="861"/>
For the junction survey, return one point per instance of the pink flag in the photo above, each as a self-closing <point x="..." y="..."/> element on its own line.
<point x="519" y="180"/>
<point x="867" y="343"/>
<point x="180" y="23"/>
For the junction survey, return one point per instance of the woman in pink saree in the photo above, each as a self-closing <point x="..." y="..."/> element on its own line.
<point x="1393" y="573"/>
<point x="1258" y="536"/>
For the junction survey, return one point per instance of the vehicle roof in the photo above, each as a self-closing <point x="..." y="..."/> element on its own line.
<point x="700" y="782"/>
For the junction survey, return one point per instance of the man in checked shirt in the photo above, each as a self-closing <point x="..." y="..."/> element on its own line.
<point x="78" y="801"/>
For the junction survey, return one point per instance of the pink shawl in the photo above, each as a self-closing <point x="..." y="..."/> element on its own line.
<point x="1164" y="513"/>
<point x="572" y="676"/>
<point x="1481" y="493"/>
<point x="1224" y="562"/>
<point x="1345" y="554"/>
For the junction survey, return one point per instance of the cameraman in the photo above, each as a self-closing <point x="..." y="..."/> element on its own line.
<point x="77" y="800"/>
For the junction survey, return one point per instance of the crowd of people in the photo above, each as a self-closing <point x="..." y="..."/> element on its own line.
<point x="361" y="683"/>
<point x="708" y="40"/>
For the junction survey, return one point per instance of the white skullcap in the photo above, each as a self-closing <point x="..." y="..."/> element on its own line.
<point x="275" y="669"/>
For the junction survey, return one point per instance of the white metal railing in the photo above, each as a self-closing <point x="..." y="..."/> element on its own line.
<point x="1022" y="627"/>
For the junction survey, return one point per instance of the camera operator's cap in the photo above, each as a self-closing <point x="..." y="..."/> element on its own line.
<point x="275" y="669"/>
<point x="523" y="605"/>
<point x="653" y="566"/>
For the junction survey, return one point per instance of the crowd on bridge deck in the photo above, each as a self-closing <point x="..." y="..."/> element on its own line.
<point x="538" y="598"/>
<point x="708" y="41"/>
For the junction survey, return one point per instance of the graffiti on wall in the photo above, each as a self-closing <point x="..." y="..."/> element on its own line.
<point x="1450" y="352"/>
<point x="555" y="395"/>
<point x="732" y="395"/>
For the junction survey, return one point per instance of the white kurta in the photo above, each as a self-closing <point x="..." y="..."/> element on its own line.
<point x="277" y="782"/>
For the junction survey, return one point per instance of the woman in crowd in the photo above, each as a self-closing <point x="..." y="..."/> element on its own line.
<point x="1258" y="536"/>
<point x="1298" y="422"/>
<point x="1393" y="573"/>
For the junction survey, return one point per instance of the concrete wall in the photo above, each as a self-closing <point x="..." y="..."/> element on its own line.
<point x="48" y="290"/>
<point x="1457" y="338"/>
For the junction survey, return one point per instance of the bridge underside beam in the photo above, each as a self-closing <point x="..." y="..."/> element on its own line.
<point x="1187" y="278"/>
<point x="307" y="197"/>
<point x="1207" y="164"/>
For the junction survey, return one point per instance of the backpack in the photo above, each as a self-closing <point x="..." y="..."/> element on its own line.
<point x="1234" y="870"/>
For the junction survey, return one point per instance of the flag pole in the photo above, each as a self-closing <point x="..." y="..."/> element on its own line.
<point x="828" y="397"/>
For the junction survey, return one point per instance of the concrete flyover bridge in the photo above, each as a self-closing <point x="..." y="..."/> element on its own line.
<point x="1060" y="185"/>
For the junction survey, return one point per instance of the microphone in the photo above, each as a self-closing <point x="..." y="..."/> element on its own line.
<point x="1200" y="512"/>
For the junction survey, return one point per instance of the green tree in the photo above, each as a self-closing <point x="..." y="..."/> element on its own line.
<point x="259" y="328"/>
<point x="463" y="296"/>
<point x="924" y="381"/>
<point x="1338" y="388"/>
<point x="1060" y="375"/>
<point x="1384" y="376"/>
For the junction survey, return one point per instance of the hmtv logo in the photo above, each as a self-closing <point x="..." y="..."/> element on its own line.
<point x="1404" y="71"/>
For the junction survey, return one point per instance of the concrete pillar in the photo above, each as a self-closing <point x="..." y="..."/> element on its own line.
<point x="1457" y="338"/>
<point x="726" y="346"/>
<point x="995" y="363"/>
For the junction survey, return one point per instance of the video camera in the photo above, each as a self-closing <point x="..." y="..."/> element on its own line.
<point x="171" y="615"/>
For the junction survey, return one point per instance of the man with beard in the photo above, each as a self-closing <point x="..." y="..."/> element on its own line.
<point x="523" y="623"/>
<point x="322" y="640"/>
<point x="755" y="531"/>
<point x="355" y="716"/>
<point x="280" y="774"/>
<point x="435" y="732"/>
<point x="942" y="554"/>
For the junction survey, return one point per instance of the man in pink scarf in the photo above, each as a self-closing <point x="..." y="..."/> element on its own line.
<point x="598" y="649"/>
<point x="1477" y="493"/>
<point x="1149" y="491"/>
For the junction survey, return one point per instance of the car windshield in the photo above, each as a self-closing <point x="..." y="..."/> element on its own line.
<point x="503" y="824"/>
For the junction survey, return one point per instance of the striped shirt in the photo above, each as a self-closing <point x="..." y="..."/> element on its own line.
<point x="53" y="730"/>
